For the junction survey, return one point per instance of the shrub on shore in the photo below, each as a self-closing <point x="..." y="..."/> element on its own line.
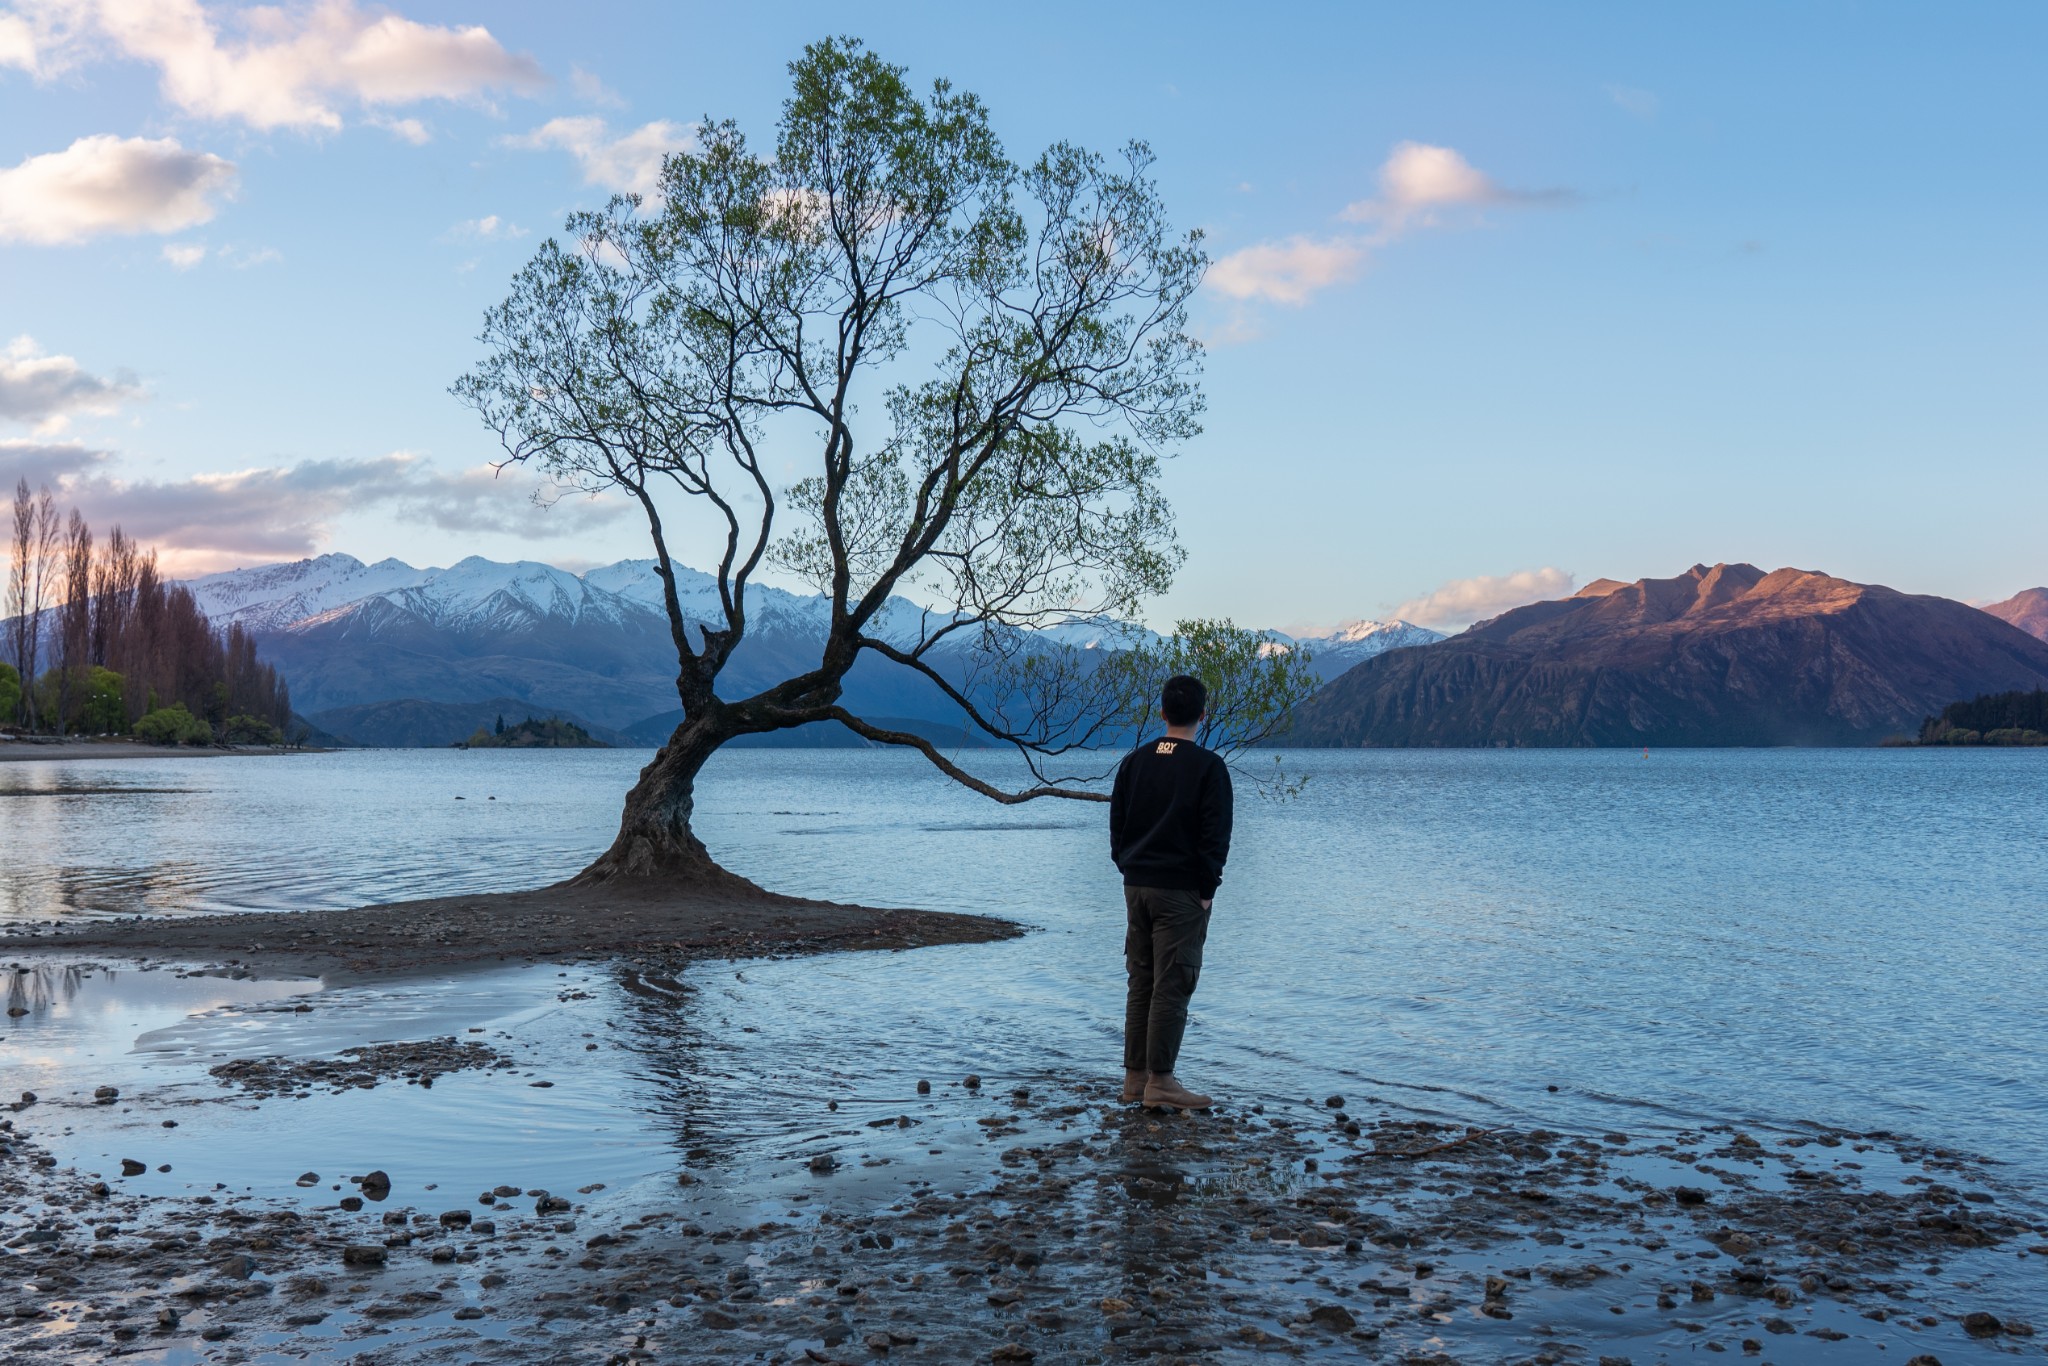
<point x="173" y="725"/>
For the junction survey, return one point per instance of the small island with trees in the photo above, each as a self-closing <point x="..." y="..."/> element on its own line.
<point x="2006" y="718"/>
<point x="553" y="733"/>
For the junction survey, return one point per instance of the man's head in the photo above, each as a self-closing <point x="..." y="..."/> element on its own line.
<point x="1182" y="700"/>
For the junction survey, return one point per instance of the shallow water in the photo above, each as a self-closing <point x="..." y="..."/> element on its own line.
<point x="1849" y="938"/>
<point x="1764" y="940"/>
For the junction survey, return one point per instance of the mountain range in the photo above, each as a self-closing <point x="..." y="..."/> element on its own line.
<point x="390" y="654"/>
<point x="1727" y="655"/>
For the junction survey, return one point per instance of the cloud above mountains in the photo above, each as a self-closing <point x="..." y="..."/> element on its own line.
<point x="1460" y="602"/>
<point x="1418" y="184"/>
<point x="269" y="67"/>
<point x="208" y="520"/>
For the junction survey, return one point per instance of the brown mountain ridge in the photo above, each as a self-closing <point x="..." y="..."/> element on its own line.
<point x="2026" y="609"/>
<point x="1728" y="655"/>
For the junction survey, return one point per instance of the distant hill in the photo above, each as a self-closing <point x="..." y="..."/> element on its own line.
<point x="2027" y="609"/>
<point x="1727" y="655"/>
<point x="414" y="723"/>
<point x="479" y="636"/>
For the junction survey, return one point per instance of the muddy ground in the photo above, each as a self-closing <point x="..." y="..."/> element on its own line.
<point x="561" y="923"/>
<point x="1021" y="1220"/>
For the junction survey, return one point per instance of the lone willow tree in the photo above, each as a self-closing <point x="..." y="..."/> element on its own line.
<point x="986" y="363"/>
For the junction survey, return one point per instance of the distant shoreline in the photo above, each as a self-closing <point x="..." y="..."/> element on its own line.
<point x="24" y="751"/>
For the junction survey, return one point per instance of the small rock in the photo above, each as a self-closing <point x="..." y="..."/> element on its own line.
<point x="713" y="1317"/>
<point x="550" y="1204"/>
<point x="376" y="1185"/>
<point x="1334" y="1317"/>
<point x="924" y="1088"/>
<point x="130" y="1167"/>
<point x="241" y="1266"/>
<point x="823" y="1162"/>
<point x="1689" y="1195"/>
<point x="1013" y="1351"/>
<point x="1982" y="1325"/>
<point x="362" y="1254"/>
<point x="972" y="1082"/>
<point x="1334" y="1102"/>
<point x="106" y="1095"/>
<point x="455" y="1218"/>
<point x="308" y="1179"/>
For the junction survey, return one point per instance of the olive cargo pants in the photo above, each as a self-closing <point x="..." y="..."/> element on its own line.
<point x="1163" y="957"/>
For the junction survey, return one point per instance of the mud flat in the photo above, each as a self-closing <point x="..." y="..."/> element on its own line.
<point x="22" y="751"/>
<point x="559" y="923"/>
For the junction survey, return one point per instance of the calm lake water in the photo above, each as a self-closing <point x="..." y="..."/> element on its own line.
<point x="1762" y="938"/>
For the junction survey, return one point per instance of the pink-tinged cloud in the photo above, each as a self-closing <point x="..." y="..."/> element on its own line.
<point x="1461" y="602"/>
<point x="1287" y="272"/>
<point x="105" y="184"/>
<point x="1416" y="181"/>
<point x="271" y="66"/>
<point x="288" y="512"/>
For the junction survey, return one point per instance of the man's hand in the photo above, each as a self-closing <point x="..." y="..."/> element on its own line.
<point x="1207" y="902"/>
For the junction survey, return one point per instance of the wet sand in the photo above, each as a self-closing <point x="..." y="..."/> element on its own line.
<point x="20" y="751"/>
<point x="24" y="751"/>
<point x="561" y="923"/>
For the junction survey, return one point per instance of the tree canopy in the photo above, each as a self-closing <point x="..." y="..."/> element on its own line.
<point x="982" y="362"/>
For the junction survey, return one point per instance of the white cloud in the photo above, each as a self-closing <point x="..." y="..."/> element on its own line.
<point x="1461" y="602"/>
<point x="106" y="184"/>
<point x="490" y="228"/>
<point x="1642" y="103"/>
<point x="588" y="87"/>
<point x="1416" y="180"/>
<point x="1288" y="272"/>
<point x="629" y="163"/>
<point x="281" y="68"/>
<point x="18" y="45"/>
<point x="46" y="391"/>
<point x="185" y="255"/>
<point x="405" y="130"/>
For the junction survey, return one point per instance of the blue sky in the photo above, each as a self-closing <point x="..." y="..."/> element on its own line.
<point x="1620" y="288"/>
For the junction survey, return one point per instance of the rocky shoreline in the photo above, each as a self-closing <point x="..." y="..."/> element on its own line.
<point x="1057" y="1226"/>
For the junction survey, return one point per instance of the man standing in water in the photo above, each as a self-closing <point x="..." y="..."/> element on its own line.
<point x="1169" y="832"/>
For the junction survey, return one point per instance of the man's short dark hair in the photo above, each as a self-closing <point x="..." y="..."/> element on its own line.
<point x="1182" y="699"/>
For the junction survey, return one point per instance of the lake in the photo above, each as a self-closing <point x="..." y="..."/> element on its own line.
<point x="1582" y="939"/>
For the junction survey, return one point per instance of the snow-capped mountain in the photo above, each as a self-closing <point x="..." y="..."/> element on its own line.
<point x="347" y="634"/>
<point x="1332" y="653"/>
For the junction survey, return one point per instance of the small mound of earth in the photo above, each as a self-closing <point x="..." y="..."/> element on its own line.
<point x="361" y="1068"/>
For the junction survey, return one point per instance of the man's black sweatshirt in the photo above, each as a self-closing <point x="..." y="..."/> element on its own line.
<point x="1169" y="817"/>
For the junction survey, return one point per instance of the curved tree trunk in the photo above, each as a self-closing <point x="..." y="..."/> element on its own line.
<point x="655" y="842"/>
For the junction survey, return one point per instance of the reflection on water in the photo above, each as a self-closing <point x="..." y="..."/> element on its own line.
<point x="1842" y="937"/>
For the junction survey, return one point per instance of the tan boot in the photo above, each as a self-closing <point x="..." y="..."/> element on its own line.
<point x="1165" y="1092"/>
<point x="1134" y="1087"/>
